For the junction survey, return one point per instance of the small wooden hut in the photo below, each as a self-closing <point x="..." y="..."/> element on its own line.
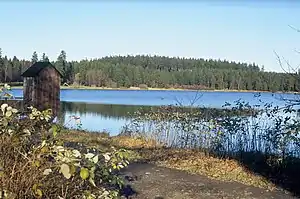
<point x="41" y="88"/>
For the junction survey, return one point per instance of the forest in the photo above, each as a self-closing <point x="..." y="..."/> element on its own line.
<point x="156" y="72"/>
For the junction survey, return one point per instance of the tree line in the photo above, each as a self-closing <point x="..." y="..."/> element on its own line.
<point x="156" y="71"/>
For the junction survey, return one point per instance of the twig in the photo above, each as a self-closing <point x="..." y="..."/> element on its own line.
<point x="296" y="29"/>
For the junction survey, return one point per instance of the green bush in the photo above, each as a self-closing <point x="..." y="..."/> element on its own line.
<point x="35" y="162"/>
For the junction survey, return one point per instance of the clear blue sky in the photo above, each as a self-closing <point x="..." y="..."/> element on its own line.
<point x="88" y="29"/>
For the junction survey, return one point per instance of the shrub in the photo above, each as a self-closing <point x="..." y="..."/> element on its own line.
<point x="112" y="84"/>
<point x="143" y="86"/>
<point x="36" y="163"/>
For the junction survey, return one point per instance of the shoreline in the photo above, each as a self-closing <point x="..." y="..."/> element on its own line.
<point x="162" y="89"/>
<point x="191" y="161"/>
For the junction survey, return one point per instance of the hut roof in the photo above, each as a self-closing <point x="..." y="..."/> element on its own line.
<point x="36" y="68"/>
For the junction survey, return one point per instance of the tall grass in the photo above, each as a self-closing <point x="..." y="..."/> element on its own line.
<point x="240" y="128"/>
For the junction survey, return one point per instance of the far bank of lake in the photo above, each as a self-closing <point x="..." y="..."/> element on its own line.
<point x="161" y="89"/>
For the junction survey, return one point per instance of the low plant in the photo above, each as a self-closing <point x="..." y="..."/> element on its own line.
<point x="36" y="163"/>
<point x="175" y="126"/>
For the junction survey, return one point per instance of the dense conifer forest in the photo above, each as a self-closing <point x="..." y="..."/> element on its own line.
<point x="156" y="71"/>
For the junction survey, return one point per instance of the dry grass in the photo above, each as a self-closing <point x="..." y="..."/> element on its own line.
<point x="221" y="169"/>
<point x="102" y="141"/>
<point x="21" y="173"/>
<point x="98" y="140"/>
<point x="133" y="142"/>
<point x="197" y="162"/>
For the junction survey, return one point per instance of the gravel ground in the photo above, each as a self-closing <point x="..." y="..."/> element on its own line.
<point x="147" y="181"/>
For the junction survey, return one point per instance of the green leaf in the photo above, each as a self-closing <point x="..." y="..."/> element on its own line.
<point x="8" y="113"/>
<point x="72" y="169"/>
<point x="65" y="170"/>
<point x="47" y="172"/>
<point x="37" y="163"/>
<point x="91" y="180"/>
<point x="95" y="159"/>
<point x="4" y="122"/>
<point x="54" y="130"/>
<point x="34" y="187"/>
<point x="76" y="153"/>
<point x="3" y="107"/>
<point x="89" y="155"/>
<point x="106" y="157"/>
<point x="84" y="173"/>
<point x="120" y="166"/>
<point x="39" y="193"/>
<point x="92" y="176"/>
<point x="43" y="143"/>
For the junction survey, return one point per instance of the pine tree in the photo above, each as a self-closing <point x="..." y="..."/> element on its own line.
<point x="34" y="57"/>
<point x="61" y="65"/>
<point x="45" y="58"/>
<point x="1" y="59"/>
<point x="2" y="70"/>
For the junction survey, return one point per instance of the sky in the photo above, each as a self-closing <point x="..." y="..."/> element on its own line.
<point x="245" y="32"/>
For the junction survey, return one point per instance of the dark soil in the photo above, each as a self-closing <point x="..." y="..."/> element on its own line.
<point x="147" y="181"/>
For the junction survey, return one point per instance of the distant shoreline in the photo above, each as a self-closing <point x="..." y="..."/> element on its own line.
<point x="160" y="89"/>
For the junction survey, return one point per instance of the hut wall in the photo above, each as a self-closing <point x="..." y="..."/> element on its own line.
<point x="28" y="89"/>
<point x="47" y="90"/>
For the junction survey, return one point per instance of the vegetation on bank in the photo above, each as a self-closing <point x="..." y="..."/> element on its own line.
<point x="253" y="147"/>
<point x="157" y="72"/>
<point x="190" y="160"/>
<point x="64" y="87"/>
<point x="194" y="161"/>
<point x="35" y="162"/>
<point x="258" y="148"/>
<point x="66" y="163"/>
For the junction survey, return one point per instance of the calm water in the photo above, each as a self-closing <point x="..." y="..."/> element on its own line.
<point x="110" y="110"/>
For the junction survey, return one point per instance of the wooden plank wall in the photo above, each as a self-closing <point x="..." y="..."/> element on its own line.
<point x="43" y="91"/>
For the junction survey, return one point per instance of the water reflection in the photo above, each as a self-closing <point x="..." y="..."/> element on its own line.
<point x="107" y="111"/>
<point x="97" y="117"/>
<point x="110" y="117"/>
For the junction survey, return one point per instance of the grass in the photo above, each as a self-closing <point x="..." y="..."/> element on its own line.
<point x="193" y="161"/>
<point x="100" y="141"/>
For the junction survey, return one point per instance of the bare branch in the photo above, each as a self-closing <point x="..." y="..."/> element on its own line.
<point x="289" y="66"/>
<point x="296" y="29"/>
<point x="295" y="70"/>
<point x="279" y="61"/>
<point x="297" y="51"/>
<point x="192" y="102"/>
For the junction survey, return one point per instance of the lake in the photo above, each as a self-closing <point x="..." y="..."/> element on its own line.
<point x="110" y="110"/>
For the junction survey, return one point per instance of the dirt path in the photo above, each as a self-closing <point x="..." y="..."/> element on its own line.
<point x="151" y="182"/>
